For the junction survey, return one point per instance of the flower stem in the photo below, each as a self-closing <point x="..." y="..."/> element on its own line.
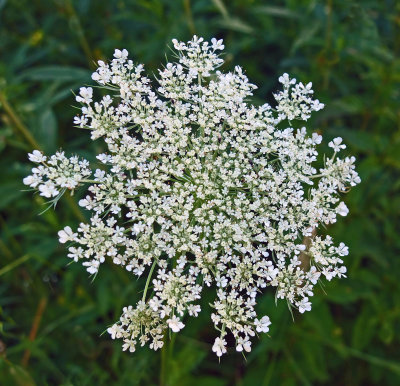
<point x="90" y="181"/>
<point x="166" y="355"/>
<point x="148" y="280"/>
<point x="164" y="359"/>
<point x="17" y="122"/>
<point x="78" y="30"/>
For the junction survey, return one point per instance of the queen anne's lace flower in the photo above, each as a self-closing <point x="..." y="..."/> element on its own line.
<point x="56" y="174"/>
<point x="200" y="188"/>
<point x="175" y="324"/>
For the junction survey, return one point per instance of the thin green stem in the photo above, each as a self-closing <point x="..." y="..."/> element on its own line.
<point x="166" y="355"/>
<point x="148" y="280"/>
<point x="75" y="208"/>
<point x="90" y="181"/>
<point x="171" y="346"/>
<point x="317" y="176"/>
<point x="14" y="264"/>
<point x="189" y="16"/>
<point x="22" y="129"/>
<point x="201" y="104"/>
<point x="164" y="359"/>
<point x="328" y="39"/>
<point x="77" y="28"/>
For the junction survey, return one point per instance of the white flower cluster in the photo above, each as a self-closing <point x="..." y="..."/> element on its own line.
<point x="295" y="101"/>
<point x="198" y="187"/>
<point x="54" y="175"/>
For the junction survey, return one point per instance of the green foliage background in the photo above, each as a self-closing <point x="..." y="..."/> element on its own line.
<point x="51" y="315"/>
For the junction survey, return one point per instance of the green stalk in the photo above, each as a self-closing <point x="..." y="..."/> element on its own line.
<point x="78" y="30"/>
<point x="90" y="181"/>
<point x="17" y="122"/>
<point x="14" y="264"/>
<point x="148" y="280"/>
<point x="189" y="17"/>
<point x="166" y="355"/>
<point x="164" y="359"/>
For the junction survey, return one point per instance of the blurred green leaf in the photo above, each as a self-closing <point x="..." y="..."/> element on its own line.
<point x="9" y="192"/>
<point x="277" y="11"/>
<point x="2" y="4"/>
<point x="59" y="73"/>
<point x="305" y="36"/>
<point x="12" y="374"/>
<point x="183" y="364"/>
<point x="364" y="328"/>
<point x="235" y="24"/>
<point x="47" y="130"/>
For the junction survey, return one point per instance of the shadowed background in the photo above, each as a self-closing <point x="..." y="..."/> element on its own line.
<point x="52" y="315"/>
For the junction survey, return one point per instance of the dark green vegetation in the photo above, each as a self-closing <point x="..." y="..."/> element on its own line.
<point x="51" y="315"/>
